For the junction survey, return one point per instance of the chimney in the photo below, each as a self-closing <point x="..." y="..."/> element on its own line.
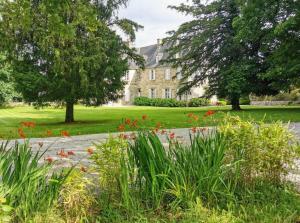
<point x="159" y="42"/>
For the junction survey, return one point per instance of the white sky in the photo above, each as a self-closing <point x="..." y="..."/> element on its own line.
<point x="156" y="18"/>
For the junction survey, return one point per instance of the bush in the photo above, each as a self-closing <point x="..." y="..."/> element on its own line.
<point x="170" y="102"/>
<point x="198" y="102"/>
<point x="245" y="101"/>
<point x="266" y="151"/>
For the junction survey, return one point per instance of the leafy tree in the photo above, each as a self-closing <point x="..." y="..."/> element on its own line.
<point x="219" y="47"/>
<point x="7" y="87"/>
<point x="271" y="31"/>
<point x="67" y="51"/>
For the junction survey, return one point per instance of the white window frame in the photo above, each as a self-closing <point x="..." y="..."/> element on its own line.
<point x="152" y="93"/>
<point x="152" y="75"/>
<point x="167" y="93"/>
<point x="168" y="74"/>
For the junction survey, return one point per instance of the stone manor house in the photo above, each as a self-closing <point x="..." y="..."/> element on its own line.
<point x="157" y="80"/>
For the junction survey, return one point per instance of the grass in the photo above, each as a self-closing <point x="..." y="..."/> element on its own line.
<point x="106" y="119"/>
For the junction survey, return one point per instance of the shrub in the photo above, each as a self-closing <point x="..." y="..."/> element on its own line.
<point x="170" y="102"/>
<point x="142" y="101"/>
<point x="76" y="197"/>
<point x="198" y="102"/>
<point x="266" y="151"/>
<point x="106" y="161"/>
<point x="245" y="101"/>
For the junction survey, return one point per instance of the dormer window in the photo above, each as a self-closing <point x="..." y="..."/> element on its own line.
<point x="159" y="56"/>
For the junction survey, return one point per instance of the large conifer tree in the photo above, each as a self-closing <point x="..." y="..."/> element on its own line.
<point x="67" y="51"/>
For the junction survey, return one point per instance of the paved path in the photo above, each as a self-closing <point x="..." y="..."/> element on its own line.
<point x="80" y="144"/>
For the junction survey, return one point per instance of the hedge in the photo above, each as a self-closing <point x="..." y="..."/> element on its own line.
<point x="171" y="102"/>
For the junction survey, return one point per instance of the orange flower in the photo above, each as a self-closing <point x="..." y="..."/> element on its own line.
<point x="71" y="153"/>
<point x="163" y="132"/>
<point x="195" y="117"/>
<point x="28" y="124"/>
<point x="49" y="159"/>
<point x="21" y="133"/>
<point x="190" y="115"/>
<point x="158" y="125"/>
<point x="144" y="117"/>
<point x="83" y="169"/>
<point x="209" y="113"/>
<point x="49" y="133"/>
<point x="62" y="154"/>
<point x="172" y="135"/>
<point x="194" y="130"/>
<point x="121" y="128"/>
<point x="134" y="124"/>
<point x="127" y="121"/>
<point x="65" y="133"/>
<point x="90" y="151"/>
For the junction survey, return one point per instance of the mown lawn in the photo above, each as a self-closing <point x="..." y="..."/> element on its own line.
<point x="91" y="120"/>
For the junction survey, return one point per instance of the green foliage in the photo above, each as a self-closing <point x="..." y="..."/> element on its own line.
<point x="269" y="30"/>
<point x="30" y="185"/>
<point x="77" y="200"/>
<point x="264" y="151"/>
<point x="198" y="102"/>
<point x="240" y="47"/>
<point x="180" y="175"/>
<point x="106" y="161"/>
<point x="71" y="51"/>
<point x="163" y="102"/>
<point x="245" y="101"/>
<point x="5" y="211"/>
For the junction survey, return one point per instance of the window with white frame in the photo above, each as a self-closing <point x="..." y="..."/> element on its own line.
<point x="168" y="93"/>
<point x="126" y="77"/>
<point x="152" y="75"/>
<point x="152" y="93"/>
<point x="167" y="74"/>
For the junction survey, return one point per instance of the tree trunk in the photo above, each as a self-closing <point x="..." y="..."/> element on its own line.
<point x="235" y="103"/>
<point x="69" y="112"/>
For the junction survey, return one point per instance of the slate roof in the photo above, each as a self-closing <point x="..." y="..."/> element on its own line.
<point x="150" y="54"/>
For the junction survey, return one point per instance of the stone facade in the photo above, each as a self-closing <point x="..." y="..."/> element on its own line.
<point x="156" y="80"/>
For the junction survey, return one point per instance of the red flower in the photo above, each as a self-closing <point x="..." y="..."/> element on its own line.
<point x="158" y="125"/>
<point x="144" y="117"/>
<point x="28" y="124"/>
<point x="190" y="115"/>
<point x="134" y="124"/>
<point x="71" y="153"/>
<point x="194" y="130"/>
<point x="62" y="154"/>
<point x="121" y="128"/>
<point x="83" y="169"/>
<point x="49" y="133"/>
<point x="209" y="113"/>
<point x="127" y="121"/>
<point x="195" y="117"/>
<point x="172" y="135"/>
<point x="21" y="133"/>
<point x="49" y="159"/>
<point x="65" y="133"/>
<point x="90" y="151"/>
